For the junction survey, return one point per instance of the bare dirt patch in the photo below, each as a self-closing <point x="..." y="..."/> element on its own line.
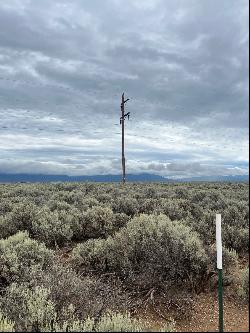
<point x="204" y="315"/>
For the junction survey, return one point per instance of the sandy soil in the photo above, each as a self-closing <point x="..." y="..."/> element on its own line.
<point x="205" y="316"/>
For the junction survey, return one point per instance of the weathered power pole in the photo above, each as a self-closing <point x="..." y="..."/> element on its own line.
<point x="122" y="119"/>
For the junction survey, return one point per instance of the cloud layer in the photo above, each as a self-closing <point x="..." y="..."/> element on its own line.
<point x="183" y="64"/>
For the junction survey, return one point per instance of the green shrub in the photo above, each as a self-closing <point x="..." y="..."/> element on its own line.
<point x="175" y="209"/>
<point x="23" y="214"/>
<point x="65" y="290"/>
<point x="230" y="259"/>
<point x="204" y="225"/>
<point x="53" y="228"/>
<point x="104" y="198"/>
<point x="168" y="327"/>
<point x="126" y="254"/>
<point x="151" y="248"/>
<point x="5" y="206"/>
<point x="229" y="256"/>
<point x="126" y="205"/>
<point x="91" y="254"/>
<point x="8" y="227"/>
<point x="86" y="294"/>
<point x="58" y="205"/>
<point x="30" y="309"/>
<point x="19" y="254"/>
<point x="20" y="218"/>
<point x="98" y="222"/>
<point x="236" y="237"/>
<point x="6" y="325"/>
<point x="40" y="316"/>
<point x="148" y="206"/>
<point x="109" y="322"/>
<point x="88" y="202"/>
<point x="65" y="196"/>
<point x="236" y="214"/>
<point x="230" y="263"/>
<point x="243" y="289"/>
<point x="121" y="220"/>
<point x="116" y="322"/>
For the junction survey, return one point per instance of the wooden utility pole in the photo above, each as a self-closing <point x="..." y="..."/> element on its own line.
<point x="122" y="119"/>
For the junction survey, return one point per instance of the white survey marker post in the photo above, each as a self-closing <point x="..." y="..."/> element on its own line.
<point x="219" y="267"/>
<point x="218" y="241"/>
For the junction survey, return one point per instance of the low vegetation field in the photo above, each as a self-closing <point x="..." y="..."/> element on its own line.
<point x="111" y="257"/>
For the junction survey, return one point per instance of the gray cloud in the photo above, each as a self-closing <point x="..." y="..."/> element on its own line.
<point x="194" y="169"/>
<point x="183" y="64"/>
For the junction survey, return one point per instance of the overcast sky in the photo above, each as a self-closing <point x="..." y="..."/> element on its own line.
<point x="183" y="64"/>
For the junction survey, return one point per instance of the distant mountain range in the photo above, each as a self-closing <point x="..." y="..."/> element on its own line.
<point x="143" y="177"/>
<point x="234" y="178"/>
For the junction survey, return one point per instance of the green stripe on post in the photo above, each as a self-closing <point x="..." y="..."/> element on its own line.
<point x="220" y="296"/>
